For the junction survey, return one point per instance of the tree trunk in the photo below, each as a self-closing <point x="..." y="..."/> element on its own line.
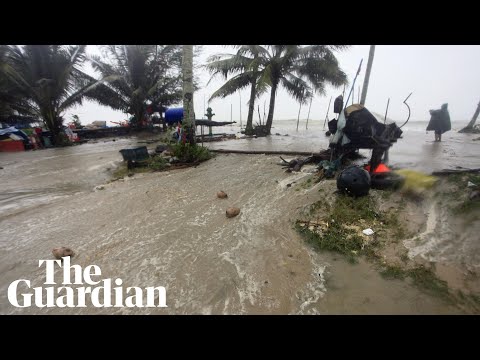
<point x="271" y="108"/>
<point x="367" y="74"/>
<point x="470" y="125"/>
<point x="162" y="120"/>
<point x="251" y="109"/>
<point x="188" y="110"/>
<point x="54" y="125"/>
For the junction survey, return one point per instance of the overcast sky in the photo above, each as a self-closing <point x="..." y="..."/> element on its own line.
<point x="435" y="74"/>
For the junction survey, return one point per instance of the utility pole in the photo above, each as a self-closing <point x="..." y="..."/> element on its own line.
<point x="298" y="120"/>
<point x="308" y="116"/>
<point x="367" y="74"/>
<point x="240" y="110"/>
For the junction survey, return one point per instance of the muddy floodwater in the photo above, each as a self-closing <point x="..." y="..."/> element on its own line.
<point x="169" y="229"/>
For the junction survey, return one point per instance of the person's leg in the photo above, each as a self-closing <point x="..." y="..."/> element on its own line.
<point x="440" y="137"/>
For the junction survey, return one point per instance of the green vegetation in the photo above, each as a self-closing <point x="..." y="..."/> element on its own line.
<point x="186" y="154"/>
<point x="139" y="75"/>
<point x="44" y="81"/>
<point x="461" y="205"/>
<point x="335" y="238"/>
<point x="422" y="277"/>
<point x="191" y="153"/>
<point x="393" y="272"/>
<point x="157" y="163"/>
<point x="301" y="70"/>
<point x="340" y="232"/>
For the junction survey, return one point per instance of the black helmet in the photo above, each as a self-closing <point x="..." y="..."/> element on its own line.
<point x="354" y="181"/>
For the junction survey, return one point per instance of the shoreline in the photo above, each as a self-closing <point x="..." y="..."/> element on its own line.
<point x="258" y="250"/>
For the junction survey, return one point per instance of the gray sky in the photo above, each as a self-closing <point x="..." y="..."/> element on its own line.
<point x="435" y="74"/>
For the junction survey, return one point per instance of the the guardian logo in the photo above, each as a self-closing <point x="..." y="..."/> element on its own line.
<point x="100" y="292"/>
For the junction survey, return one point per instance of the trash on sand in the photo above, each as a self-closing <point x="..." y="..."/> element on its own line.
<point x="62" y="252"/>
<point x="354" y="181"/>
<point x="368" y="232"/>
<point x="232" y="212"/>
<point x="416" y="181"/>
<point x="222" y="195"/>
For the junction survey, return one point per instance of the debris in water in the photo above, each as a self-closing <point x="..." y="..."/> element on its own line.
<point x="62" y="252"/>
<point x="222" y="195"/>
<point x="232" y="212"/>
<point x="368" y="232"/>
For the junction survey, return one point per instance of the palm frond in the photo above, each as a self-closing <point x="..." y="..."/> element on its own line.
<point x="236" y="83"/>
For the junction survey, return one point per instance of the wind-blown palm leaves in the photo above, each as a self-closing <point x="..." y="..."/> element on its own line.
<point x="47" y="80"/>
<point x="139" y="74"/>
<point x="246" y="63"/>
<point x="301" y="70"/>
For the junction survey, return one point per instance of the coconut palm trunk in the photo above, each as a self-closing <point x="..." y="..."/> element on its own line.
<point x="366" y="81"/>
<point x="271" y="108"/>
<point x="251" y="108"/>
<point x="188" y="112"/>
<point x="470" y="125"/>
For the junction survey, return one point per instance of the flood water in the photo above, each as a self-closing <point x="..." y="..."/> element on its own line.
<point x="169" y="229"/>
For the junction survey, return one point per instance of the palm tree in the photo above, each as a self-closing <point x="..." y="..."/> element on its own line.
<point x="469" y="127"/>
<point x="248" y="69"/>
<point x="11" y="101"/>
<point x="188" y="89"/>
<point x="300" y="70"/>
<point x="49" y="80"/>
<point x="139" y="74"/>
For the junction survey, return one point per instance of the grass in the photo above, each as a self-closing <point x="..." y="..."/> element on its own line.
<point x="336" y="238"/>
<point x="121" y="172"/>
<point x="468" y="209"/>
<point x="422" y="277"/>
<point x="349" y="210"/>
<point x="339" y="238"/>
<point x="393" y="272"/>
<point x="157" y="163"/>
<point x="191" y="153"/>
<point x="391" y="220"/>
<point x="184" y="153"/>
<point x="427" y="280"/>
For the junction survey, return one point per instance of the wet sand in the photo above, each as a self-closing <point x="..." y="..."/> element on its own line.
<point x="169" y="229"/>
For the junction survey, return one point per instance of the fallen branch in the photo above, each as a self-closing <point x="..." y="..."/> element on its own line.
<point x="449" y="172"/>
<point x="324" y="155"/>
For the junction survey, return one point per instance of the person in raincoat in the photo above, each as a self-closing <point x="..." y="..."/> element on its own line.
<point x="439" y="122"/>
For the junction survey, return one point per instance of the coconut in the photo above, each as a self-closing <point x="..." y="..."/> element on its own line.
<point x="62" y="252"/>
<point x="222" y="195"/>
<point x="232" y="211"/>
